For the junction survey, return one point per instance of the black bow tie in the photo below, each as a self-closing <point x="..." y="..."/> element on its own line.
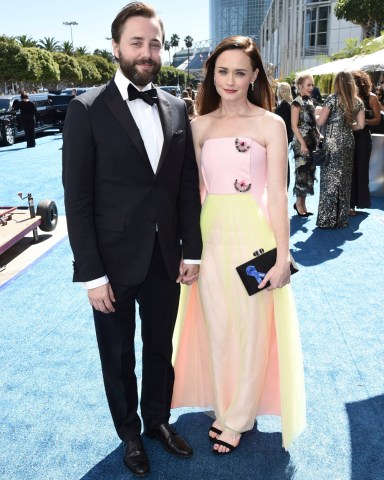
<point x="149" y="96"/>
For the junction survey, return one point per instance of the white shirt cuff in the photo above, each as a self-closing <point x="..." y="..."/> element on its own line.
<point x="98" y="282"/>
<point x="192" y="262"/>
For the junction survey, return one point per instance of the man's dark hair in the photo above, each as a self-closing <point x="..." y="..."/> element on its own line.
<point x="133" y="9"/>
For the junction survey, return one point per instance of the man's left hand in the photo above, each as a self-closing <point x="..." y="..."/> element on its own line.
<point x="188" y="273"/>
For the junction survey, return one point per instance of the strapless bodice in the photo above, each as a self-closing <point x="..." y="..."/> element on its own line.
<point x="234" y="165"/>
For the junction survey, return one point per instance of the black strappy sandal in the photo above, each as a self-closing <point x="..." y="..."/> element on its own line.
<point x="214" y="430"/>
<point x="230" y="447"/>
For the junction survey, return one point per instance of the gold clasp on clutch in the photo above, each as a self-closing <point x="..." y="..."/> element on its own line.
<point x="258" y="252"/>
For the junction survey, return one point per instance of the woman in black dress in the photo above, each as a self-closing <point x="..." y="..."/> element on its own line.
<point x="380" y="96"/>
<point x="304" y="142"/>
<point x="283" y="109"/>
<point x="360" y="196"/>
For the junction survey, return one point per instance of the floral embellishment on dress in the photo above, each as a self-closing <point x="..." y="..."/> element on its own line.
<point x="241" y="145"/>
<point x="242" y="186"/>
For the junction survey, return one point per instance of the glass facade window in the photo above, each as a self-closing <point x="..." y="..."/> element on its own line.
<point x="316" y="28"/>
<point x="241" y="17"/>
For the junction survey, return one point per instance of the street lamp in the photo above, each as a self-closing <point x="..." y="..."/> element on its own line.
<point x="113" y="55"/>
<point x="70" y="25"/>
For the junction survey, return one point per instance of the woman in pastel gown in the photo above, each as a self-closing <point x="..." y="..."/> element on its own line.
<point x="236" y="353"/>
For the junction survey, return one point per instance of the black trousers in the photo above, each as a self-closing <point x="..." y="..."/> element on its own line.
<point x="158" y="300"/>
<point x="29" y="130"/>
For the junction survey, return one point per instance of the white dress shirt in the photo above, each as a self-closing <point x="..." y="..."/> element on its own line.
<point x="148" y="122"/>
<point x="147" y="119"/>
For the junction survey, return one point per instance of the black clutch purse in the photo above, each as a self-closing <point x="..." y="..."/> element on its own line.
<point x="253" y="272"/>
<point x="320" y="156"/>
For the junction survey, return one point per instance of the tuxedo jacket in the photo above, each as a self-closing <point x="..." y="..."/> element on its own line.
<point x="114" y="201"/>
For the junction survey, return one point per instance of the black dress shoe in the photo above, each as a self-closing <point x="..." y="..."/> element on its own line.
<point x="171" y="440"/>
<point x="135" y="457"/>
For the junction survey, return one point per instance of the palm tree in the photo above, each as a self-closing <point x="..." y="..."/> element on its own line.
<point x="105" y="54"/>
<point x="352" y="48"/>
<point x="26" y="41"/>
<point x="81" y="51"/>
<point x="167" y="48"/>
<point x="67" y="48"/>
<point x="188" y="40"/>
<point x="49" y="44"/>
<point x="175" y="41"/>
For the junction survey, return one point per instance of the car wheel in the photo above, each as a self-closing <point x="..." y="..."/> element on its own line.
<point x="9" y="135"/>
<point x="47" y="210"/>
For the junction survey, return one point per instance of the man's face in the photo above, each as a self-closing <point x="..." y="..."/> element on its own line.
<point x="139" y="50"/>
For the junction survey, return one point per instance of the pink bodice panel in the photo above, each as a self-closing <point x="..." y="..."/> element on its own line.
<point x="222" y="164"/>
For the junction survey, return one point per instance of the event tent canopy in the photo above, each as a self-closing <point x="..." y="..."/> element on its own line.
<point x="371" y="62"/>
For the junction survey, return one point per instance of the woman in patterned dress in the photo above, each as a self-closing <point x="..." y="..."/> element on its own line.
<point x="304" y="142"/>
<point x="343" y="113"/>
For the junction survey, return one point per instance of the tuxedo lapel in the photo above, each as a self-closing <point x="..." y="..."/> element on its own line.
<point x="166" y="122"/>
<point x="121" y="111"/>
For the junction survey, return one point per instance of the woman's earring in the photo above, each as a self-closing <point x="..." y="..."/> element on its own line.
<point x="252" y="86"/>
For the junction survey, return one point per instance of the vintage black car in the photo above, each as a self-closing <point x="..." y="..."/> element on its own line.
<point x="78" y="90"/>
<point x="172" y="89"/>
<point x="51" y="111"/>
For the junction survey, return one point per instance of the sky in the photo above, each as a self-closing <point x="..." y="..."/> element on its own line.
<point x="94" y="17"/>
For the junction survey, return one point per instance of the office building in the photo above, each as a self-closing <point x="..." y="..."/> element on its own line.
<point x="241" y="17"/>
<point x="295" y="33"/>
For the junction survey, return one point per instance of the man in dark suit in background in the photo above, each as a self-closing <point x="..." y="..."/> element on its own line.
<point x="133" y="209"/>
<point x="316" y="95"/>
<point x="28" y="112"/>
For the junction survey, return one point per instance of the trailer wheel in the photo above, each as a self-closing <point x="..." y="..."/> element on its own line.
<point x="47" y="210"/>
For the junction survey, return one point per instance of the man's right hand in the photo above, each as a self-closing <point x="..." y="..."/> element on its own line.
<point x="101" y="298"/>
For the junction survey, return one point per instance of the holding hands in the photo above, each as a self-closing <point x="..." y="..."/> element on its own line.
<point x="188" y="273"/>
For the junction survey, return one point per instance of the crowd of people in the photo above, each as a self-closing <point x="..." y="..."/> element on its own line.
<point x="163" y="193"/>
<point x="343" y="122"/>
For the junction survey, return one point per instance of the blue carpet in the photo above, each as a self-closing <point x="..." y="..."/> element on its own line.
<point x="54" y="419"/>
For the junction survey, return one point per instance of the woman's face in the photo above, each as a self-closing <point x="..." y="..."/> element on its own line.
<point x="379" y="94"/>
<point x="233" y="74"/>
<point x="306" y="88"/>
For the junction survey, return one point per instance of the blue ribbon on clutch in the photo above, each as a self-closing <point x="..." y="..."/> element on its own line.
<point x="251" y="271"/>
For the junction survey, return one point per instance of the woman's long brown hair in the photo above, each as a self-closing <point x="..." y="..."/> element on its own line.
<point x="346" y="90"/>
<point x="209" y="100"/>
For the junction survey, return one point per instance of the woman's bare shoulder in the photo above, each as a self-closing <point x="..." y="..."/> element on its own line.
<point x="201" y="123"/>
<point x="269" y="120"/>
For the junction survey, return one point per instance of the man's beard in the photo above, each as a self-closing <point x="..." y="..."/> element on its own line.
<point x="141" y="79"/>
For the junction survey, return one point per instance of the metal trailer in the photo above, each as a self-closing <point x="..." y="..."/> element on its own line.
<point x="17" y="222"/>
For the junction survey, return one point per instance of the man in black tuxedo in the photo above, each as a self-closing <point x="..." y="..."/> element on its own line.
<point x="133" y="209"/>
